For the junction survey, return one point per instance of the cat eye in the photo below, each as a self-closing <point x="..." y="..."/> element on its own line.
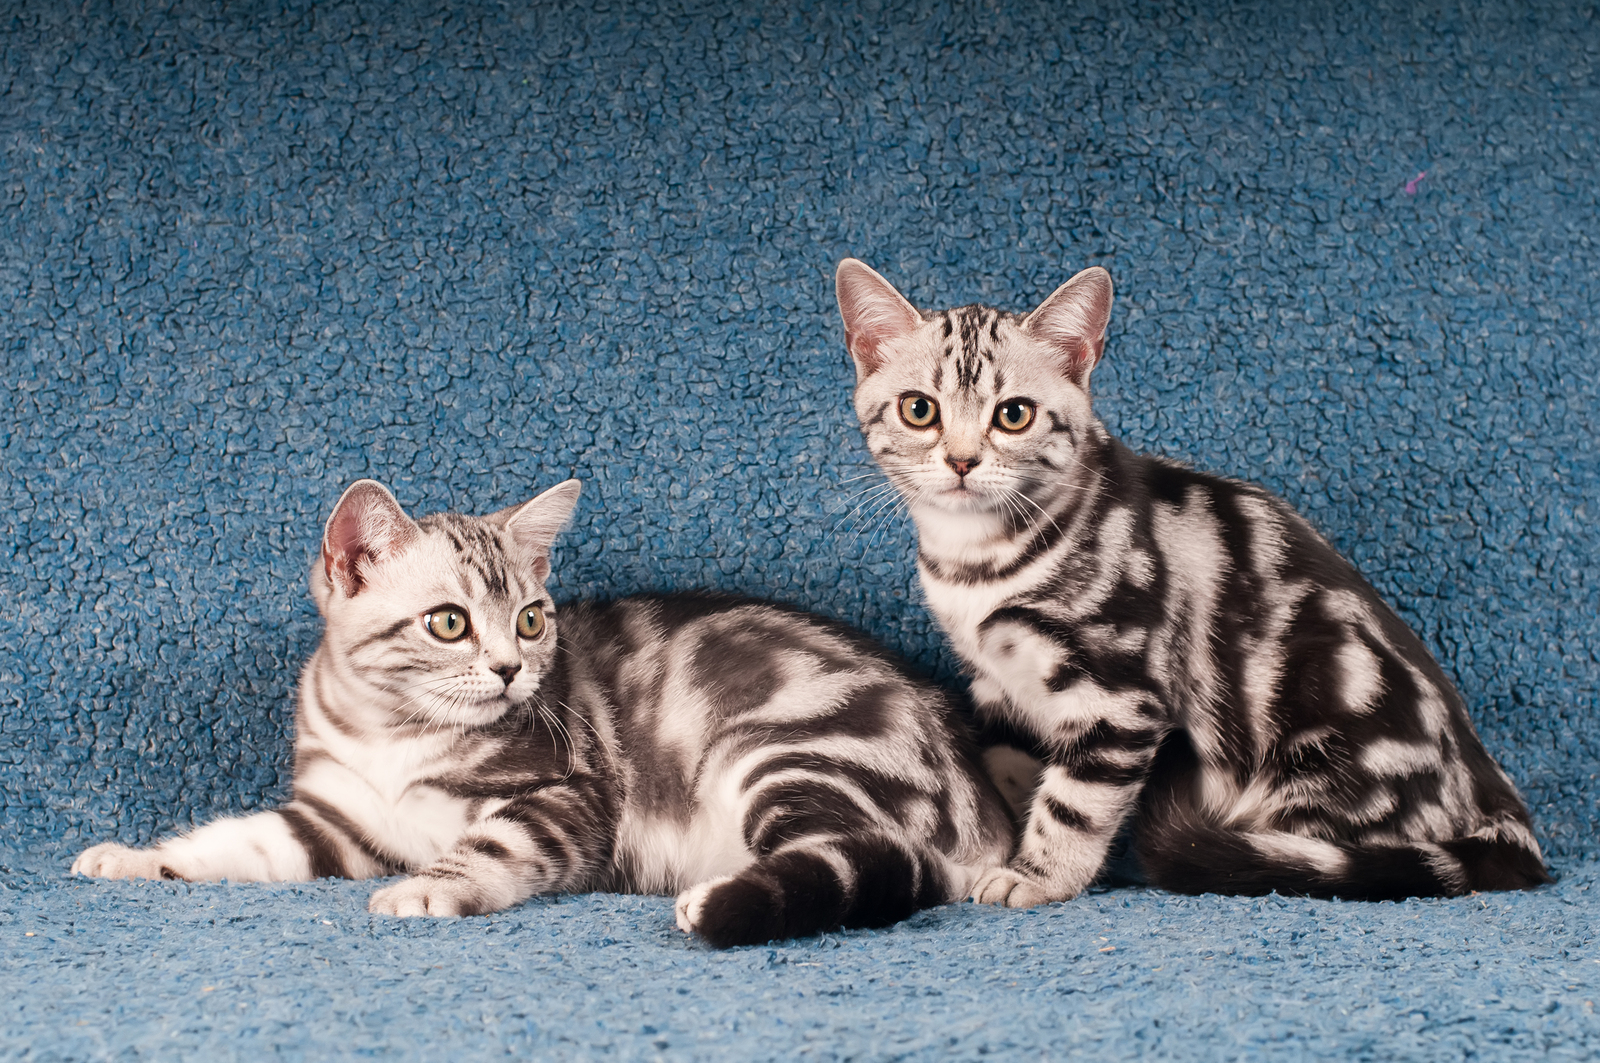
<point x="919" y="411"/>
<point x="446" y="623"/>
<point x="1014" y="415"/>
<point x="530" y="622"/>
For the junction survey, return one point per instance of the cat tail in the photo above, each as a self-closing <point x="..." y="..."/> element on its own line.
<point x="814" y="885"/>
<point x="1188" y="855"/>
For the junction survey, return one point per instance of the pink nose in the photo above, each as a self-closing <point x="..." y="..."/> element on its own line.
<point x="962" y="466"/>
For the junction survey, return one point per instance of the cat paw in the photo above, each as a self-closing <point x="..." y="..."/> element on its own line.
<point x="425" y="895"/>
<point x="1011" y="889"/>
<point x="111" y="860"/>
<point x="691" y="905"/>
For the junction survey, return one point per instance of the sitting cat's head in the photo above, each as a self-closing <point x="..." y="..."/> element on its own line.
<point x="446" y="615"/>
<point x="973" y="409"/>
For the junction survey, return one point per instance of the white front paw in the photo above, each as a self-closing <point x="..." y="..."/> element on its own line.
<point x="1003" y="886"/>
<point x="692" y="902"/>
<point x="110" y="860"/>
<point x="425" y="895"/>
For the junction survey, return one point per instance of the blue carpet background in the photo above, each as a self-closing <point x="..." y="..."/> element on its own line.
<point x="251" y="252"/>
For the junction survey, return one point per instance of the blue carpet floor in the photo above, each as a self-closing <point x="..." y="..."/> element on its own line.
<point x="120" y="971"/>
<point x="251" y="252"/>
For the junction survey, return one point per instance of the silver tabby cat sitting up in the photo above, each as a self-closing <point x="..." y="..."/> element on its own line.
<point x="1177" y="646"/>
<point x="778" y="772"/>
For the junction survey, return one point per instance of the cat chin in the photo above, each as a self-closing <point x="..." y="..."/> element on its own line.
<point x="478" y="714"/>
<point x="966" y="501"/>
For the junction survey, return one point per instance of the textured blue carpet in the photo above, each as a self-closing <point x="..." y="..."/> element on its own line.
<point x="249" y="253"/>
<point x="120" y="971"/>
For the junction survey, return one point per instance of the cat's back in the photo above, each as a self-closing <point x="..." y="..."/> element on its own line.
<point x="726" y="662"/>
<point x="1245" y="549"/>
<point x="1236" y="535"/>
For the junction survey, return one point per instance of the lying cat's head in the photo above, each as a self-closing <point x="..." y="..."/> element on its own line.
<point x="446" y="615"/>
<point x="973" y="409"/>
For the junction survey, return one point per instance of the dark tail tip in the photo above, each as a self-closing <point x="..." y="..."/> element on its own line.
<point x="747" y="910"/>
<point x="798" y="893"/>
<point x="1493" y="866"/>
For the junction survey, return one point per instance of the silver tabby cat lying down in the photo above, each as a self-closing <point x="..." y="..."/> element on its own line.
<point x="777" y="772"/>
<point x="1178" y="647"/>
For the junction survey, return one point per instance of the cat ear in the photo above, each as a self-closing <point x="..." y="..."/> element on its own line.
<point x="367" y="525"/>
<point x="875" y="315"/>
<point x="1073" y="322"/>
<point x="535" y="524"/>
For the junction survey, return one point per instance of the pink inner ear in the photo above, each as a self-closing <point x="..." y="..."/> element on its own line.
<point x="874" y="314"/>
<point x="342" y="550"/>
<point x="866" y="335"/>
<point x="863" y="344"/>
<point x="1073" y="321"/>
<point x="367" y="524"/>
<point x="1079" y="356"/>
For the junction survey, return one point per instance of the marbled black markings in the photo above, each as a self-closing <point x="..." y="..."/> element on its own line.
<point x="1217" y="668"/>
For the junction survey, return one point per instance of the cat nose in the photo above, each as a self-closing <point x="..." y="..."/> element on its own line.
<point x="962" y="466"/>
<point x="506" y="671"/>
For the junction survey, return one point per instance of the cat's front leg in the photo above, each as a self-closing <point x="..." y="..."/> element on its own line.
<point x="552" y="841"/>
<point x="259" y="848"/>
<point x="1086" y="792"/>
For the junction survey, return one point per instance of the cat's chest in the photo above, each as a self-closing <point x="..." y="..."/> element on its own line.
<point x="962" y="608"/>
<point x="389" y="789"/>
<point x="1010" y="664"/>
<point x="960" y="611"/>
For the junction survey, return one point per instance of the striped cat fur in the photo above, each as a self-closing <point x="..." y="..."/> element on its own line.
<point x="778" y="772"/>
<point x="1180" y="650"/>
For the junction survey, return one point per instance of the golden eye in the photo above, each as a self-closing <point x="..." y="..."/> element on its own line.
<point x="1014" y="416"/>
<point x="919" y="411"/>
<point x="446" y="623"/>
<point x="530" y="622"/>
